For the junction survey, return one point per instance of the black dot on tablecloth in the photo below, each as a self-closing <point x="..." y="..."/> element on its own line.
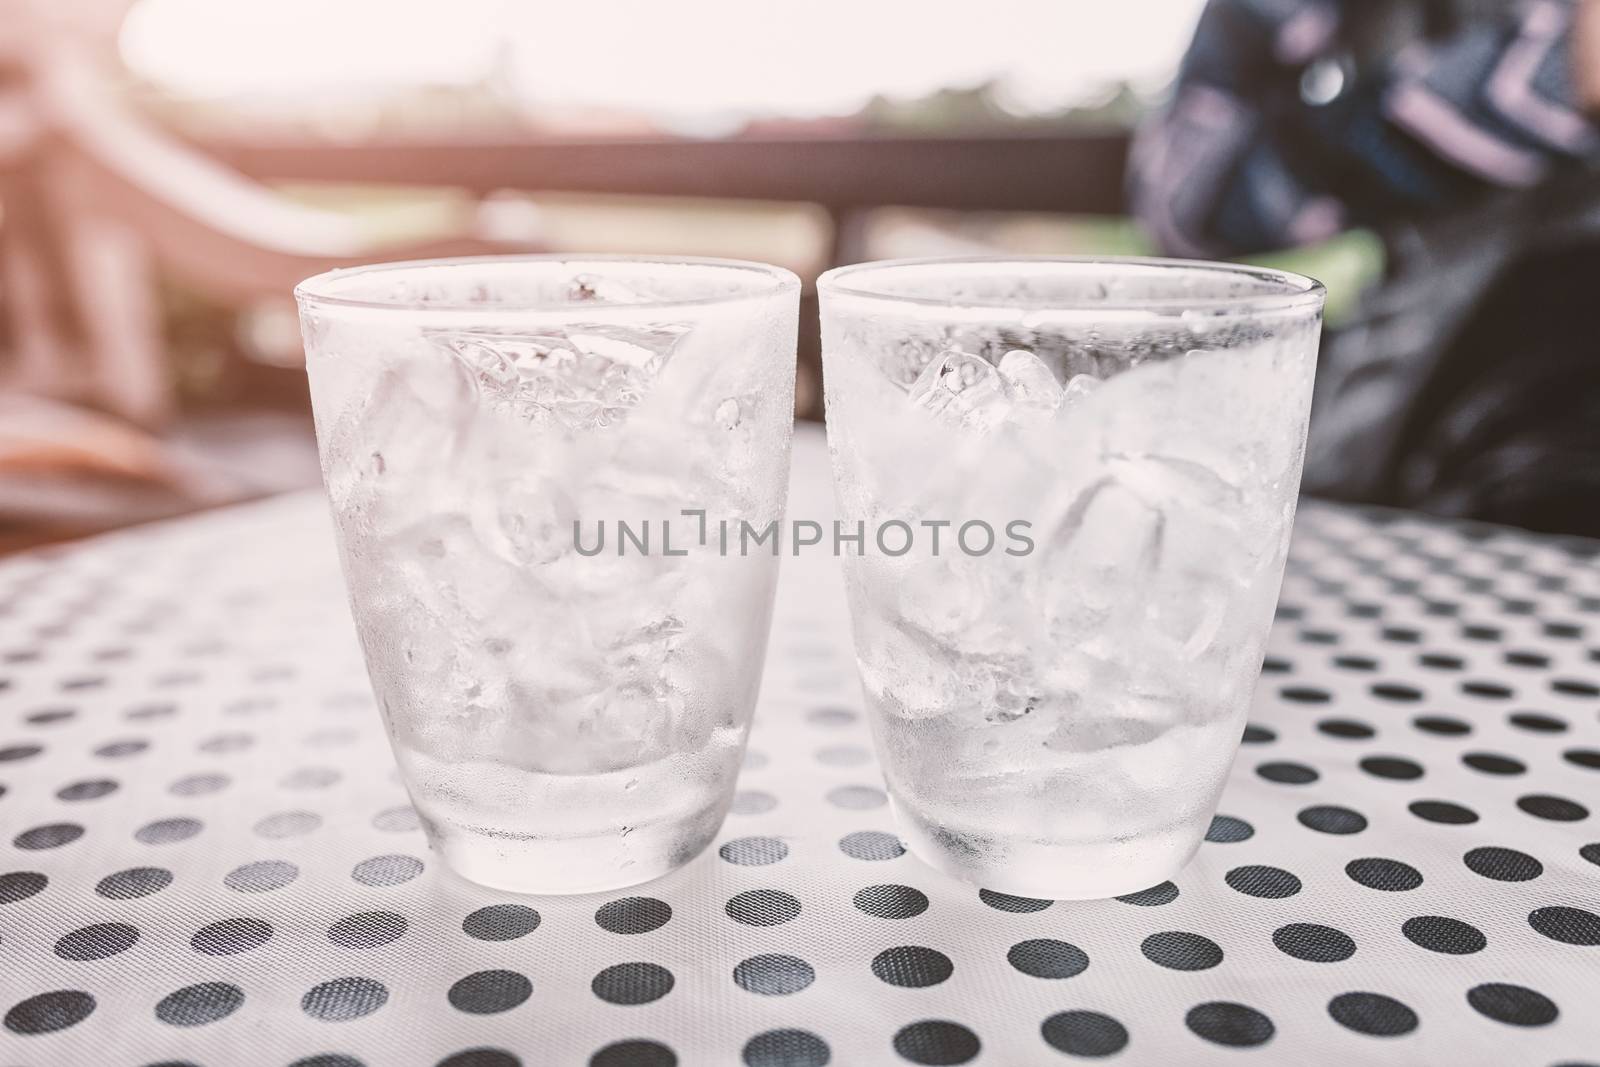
<point x="754" y="851"/>
<point x="150" y="712"/>
<point x="262" y="876"/>
<point x="96" y="942"/>
<point x="367" y="929"/>
<point x="1257" y="735"/>
<point x="632" y="983"/>
<point x="328" y="1059"/>
<point x="342" y="999"/>
<point x="49" y="1012"/>
<point x="51" y="835"/>
<point x="1573" y="926"/>
<point x="1346" y="729"/>
<point x="386" y="870"/>
<point x="1226" y="1023"/>
<point x="1376" y="872"/>
<point x="786" y="1048"/>
<point x="1575" y="688"/>
<point x="843" y="756"/>
<point x="1392" y="767"/>
<point x="1270" y="883"/>
<point x="1395" y="691"/>
<point x="1355" y="663"/>
<point x="1154" y="897"/>
<point x="396" y="820"/>
<point x="18" y="753"/>
<point x="231" y="936"/>
<point x="1373" y="1014"/>
<point x="1084" y="1033"/>
<point x="121" y="749"/>
<point x="222" y="744"/>
<point x="753" y="802"/>
<point x="857" y="797"/>
<point x="1503" y="864"/>
<point x="1287" y="773"/>
<point x="1491" y="690"/>
<point x="1554" y="808"/>
<point x="1007" y="902"/>
<point x="1045" y="957"/>
<point x="912" y="966"/>
<point x="133" y="882"/>
<point x="1563" y="630"/>
<point x="1583" y="757"/>
<point x="491" y="992"/>
<point x="1276" y="665"/>
<point x="774" y="975"/>
<point x="1179" y="950"/>
<point x="1227" y="829"/>
<point x="830" y="716"/>
<point x="633" y="915"/>
<point x="1438" y="933"/>
<point x="1537" y="722"/>
<point x="635" y="1052"/>
<point x="890" y="901"/>
<point x="1332" y="819"/>
<point x="1440" y="661"/>
<point x="198" y="785"/>
<point x="1318" y="637"/>
<point x="498" y="1057"/>
<point x="1512" y="1004"/>
<point x="1493" y="763"/>
<point x="310" y="778"/>
<point x="936" y="1043"/>
<point x="1305" y="694"/>
<point x="762" y="907"/>
<point x="1442" y="811"/>
<point x="196" y="1005"/>
<point x="20" y="885"/>
<point x="49" y="716"/>
<point x="168" y="831"/>
<point x="505" y="922"/>
<point x="88" y="789"/>
<point x="287" y="824"/>
<point x="871" y="845"/>
<point x="1443" y="725"/>
<point x="1314" y="942"/>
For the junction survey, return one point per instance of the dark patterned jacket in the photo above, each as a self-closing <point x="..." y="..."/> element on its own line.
<point x="1470" y="385"/>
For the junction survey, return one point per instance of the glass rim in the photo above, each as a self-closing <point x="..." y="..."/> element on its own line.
<point x="1296" y="292"/>
<point x="314" y="291"/>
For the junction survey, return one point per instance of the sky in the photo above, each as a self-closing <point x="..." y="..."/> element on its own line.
<point x="670" y="60"/>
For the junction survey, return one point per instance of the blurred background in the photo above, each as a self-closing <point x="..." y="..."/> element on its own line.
<point x="170" y="168"/>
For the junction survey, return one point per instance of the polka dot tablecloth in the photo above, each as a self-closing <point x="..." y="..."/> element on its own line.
<point x="207" y="858"/>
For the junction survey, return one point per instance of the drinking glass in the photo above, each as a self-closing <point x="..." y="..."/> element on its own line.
<point x="1076" y="479"/>
<point x="516" y="450"/>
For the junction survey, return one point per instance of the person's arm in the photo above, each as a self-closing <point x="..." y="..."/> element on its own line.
<point x="1586" y="56"/>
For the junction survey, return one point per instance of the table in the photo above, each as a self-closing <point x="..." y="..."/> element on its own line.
<point x="207" y="858"/>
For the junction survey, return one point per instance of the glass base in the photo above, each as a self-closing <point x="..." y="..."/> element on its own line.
<point x="563" y="866"/>
<point x="1052" y="870"/>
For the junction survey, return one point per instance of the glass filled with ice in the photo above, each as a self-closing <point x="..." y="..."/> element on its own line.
<point x="1076" y="481"/>
<point x="523" y="457"/>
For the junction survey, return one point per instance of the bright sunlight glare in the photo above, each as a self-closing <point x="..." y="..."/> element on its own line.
<point x="669" y="59"/>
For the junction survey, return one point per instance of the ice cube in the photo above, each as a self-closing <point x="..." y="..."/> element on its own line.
<point x="584" y="377"/>
<point x="1079" y="387"/>
<point x="963" y="390"/>
<point x="1030" y="386"/>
